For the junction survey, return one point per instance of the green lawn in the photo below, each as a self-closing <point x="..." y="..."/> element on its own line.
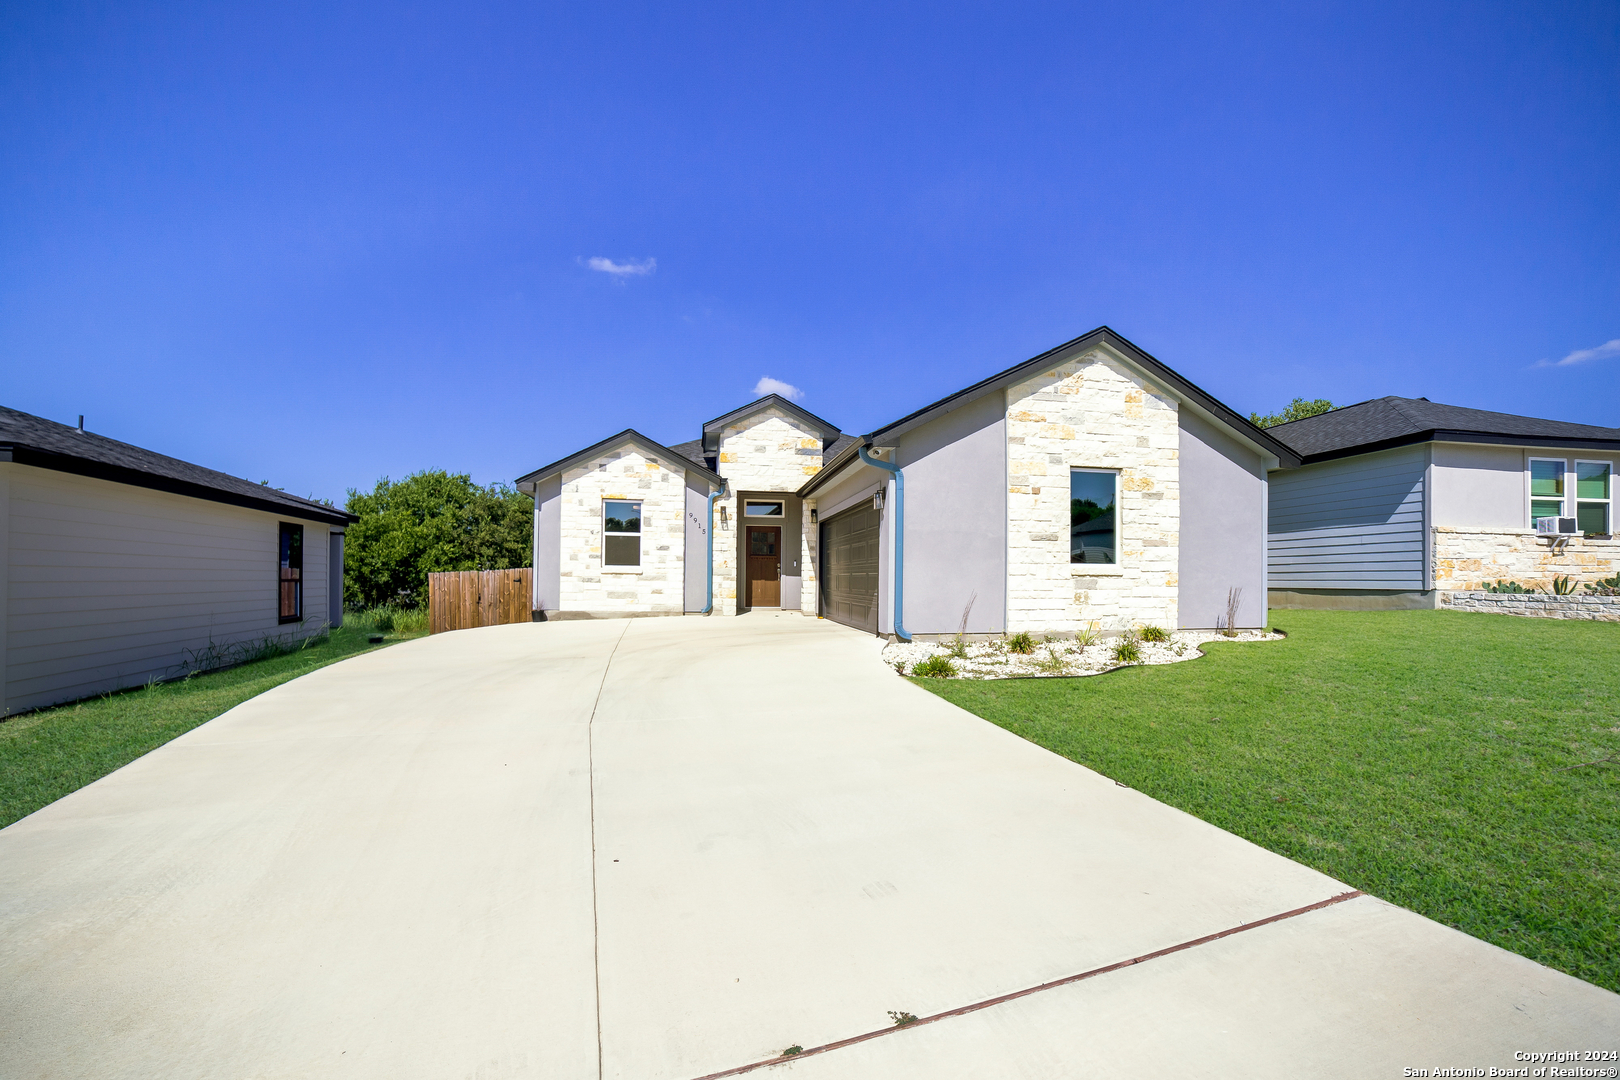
<point x="45" y="755"/>
<point x="1425" y="757"/>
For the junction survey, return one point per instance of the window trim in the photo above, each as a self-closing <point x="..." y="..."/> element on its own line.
<point x="1575" y="492"/>
<point x="1097" y="569"/>
<point x="780" y="515"/>
<point x="1531" y="498"/>
<point x="284" y="529"/>
<point x="641" y="529"/>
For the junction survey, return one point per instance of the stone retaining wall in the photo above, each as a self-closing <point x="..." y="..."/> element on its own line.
<point x="1535" y="605"/>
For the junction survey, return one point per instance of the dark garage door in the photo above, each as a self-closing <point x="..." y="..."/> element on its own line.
<point x="849" y="567"/>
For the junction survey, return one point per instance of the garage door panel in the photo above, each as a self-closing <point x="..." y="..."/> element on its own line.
<point x="849" y="545"/>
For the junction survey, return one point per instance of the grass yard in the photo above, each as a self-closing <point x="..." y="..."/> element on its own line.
<point x="47" y="754"/>
<point x="1451" y="763"/>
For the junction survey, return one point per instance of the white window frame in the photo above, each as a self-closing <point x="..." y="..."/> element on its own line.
<point x="1575" y="494"/>
<point x="748" y="504"/>
<point x="1530" y="484"/>
<point x="1098" y="569"/>
<point x="641" y="548"/>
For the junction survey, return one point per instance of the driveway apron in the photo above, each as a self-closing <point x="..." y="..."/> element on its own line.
<point x="665" y="849"/>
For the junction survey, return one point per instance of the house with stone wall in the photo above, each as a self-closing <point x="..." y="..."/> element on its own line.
<point x="1408" y="503"/>
<point x="1089" y="487"/>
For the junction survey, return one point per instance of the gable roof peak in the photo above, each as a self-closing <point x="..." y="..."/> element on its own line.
<point x="713" y="428"/>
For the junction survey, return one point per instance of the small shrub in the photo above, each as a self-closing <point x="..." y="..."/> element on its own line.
<point x="1155" y="634"/>
<point x="958" y="649"/>
<point x="1126" y="650"/>
<point x="1506" y="587"/>
<point x="900" y="667"/>
<point x="1563" y="586"/>
<point x="793" y="1051"/>
<point x="1053" y="662"/>
<point x="935" y="667"/>
<point x="1609" y="586"/>
<point x="1086" y="637"/>
<point x="901" y="1019"/>
<point x="1022" y="643"/>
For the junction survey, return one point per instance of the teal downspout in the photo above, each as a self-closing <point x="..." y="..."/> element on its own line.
<point x="713" y="495"/>
<point x="899" y="539"/>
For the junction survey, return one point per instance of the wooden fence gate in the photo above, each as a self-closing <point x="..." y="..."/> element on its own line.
<point x="463" y="599"/>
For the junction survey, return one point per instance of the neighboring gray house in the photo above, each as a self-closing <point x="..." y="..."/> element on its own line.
<point x="119" y="565"/>
<point x="1091" y="485"/>
<point x="1399" y="500"/>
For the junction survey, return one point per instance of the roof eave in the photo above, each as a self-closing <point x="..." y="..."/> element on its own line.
<point x="1207" y="403"/>
<point x="833" y="467"/>
<point x="1564" y="442"/>
<point x="56" y="461"/>
<point x="823" y="428"/>
<point x="528" y="481"/>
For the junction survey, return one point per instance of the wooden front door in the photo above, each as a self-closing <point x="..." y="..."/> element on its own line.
<point x="764" y="566"/>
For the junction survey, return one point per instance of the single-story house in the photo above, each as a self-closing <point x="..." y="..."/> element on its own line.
<point x="1089" y="486"/>
<point x="119" y="565"/>
<point x="1399" y="500"/>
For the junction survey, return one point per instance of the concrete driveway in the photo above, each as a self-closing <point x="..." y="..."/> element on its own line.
<point x="669" y="848"/>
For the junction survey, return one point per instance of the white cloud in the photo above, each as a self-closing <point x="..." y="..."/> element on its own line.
<point x="628" y="268"/>
<point x="1581" y="356"/>
<point x="768" y="385"/>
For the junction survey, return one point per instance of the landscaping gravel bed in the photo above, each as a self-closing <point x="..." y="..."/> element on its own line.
<point x="1057" y="657"/>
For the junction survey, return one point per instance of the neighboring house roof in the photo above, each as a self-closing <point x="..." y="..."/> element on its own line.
<point x="32" y="440"/>
<point x="712" y="429"/>
<point x="1388" y="422"/>
<point x="1019" y="372"/>
<point x="628" y="435"/>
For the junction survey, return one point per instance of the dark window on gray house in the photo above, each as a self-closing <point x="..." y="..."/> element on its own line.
<point x="290" y="571"/>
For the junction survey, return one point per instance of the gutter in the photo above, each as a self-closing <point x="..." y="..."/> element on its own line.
<point x="899" y="538"/>
<point x="708" y="608"/>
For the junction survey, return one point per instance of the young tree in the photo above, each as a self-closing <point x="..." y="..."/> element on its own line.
<point x="430" y="521"/>
<point x="1298" y="409"/>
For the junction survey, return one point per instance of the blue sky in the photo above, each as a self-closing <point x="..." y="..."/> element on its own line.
<point x="320" y="244"/>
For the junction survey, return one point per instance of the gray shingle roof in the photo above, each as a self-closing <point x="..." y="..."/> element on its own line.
<point x="693" y="452"/>
<point x="33" y="440"/>
<point x="1396" y="421"/>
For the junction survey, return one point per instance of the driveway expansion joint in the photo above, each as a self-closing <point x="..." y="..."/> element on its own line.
<point x="963" y="1010"/>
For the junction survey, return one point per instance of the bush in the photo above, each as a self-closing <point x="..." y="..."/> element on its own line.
<point x="1155" y="633"/>
<point x="1022" y="642"/>
<point x="1126" y="650"/>
<point x="1506" y="587"/>
<point x="1087" y="637"/>
<point x="1609" y="586"/>
<point x="935" y="667"/>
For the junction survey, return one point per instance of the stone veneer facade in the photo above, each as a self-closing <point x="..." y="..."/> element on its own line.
<point x="768" y="451"/>
<point x="658" y="585"/>
<point x="1466" y="558"/>
<point x="1091" y="412"/>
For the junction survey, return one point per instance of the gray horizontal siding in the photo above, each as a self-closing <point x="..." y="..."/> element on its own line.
<point x="109" y="585"/>
<point x="1353" y="524"/>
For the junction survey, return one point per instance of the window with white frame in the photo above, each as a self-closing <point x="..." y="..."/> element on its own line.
<point x="1546" y="489"/>
<point x="1594" y="496"/>
<point x="1093" y="516"/>
<point x="621" y="533"/>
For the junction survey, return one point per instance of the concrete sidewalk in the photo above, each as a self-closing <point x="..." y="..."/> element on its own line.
<point x="386" y="869"/>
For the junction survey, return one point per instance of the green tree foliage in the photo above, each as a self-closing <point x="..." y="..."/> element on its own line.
<point x="1298" y="409"/>
<point x="430" y="521"/>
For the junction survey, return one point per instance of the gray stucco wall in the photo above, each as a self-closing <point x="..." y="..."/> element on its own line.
<point x="956" y="520"/>
<point x="1480" y="486"/>
<point x="548" y="544"/>
<point x="697" y="543"/>
<point x="1223" y="526"/>
<point x="1356" y="523"/>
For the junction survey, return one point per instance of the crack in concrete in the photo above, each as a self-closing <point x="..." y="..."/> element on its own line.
<point x="1027" y="991"/>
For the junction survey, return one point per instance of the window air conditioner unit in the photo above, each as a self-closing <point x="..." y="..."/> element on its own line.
<point x="1556" y="526"/>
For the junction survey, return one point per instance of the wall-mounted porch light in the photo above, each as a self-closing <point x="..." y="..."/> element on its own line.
<point x="877" y="500"/>
<point x="812" y="517"/>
